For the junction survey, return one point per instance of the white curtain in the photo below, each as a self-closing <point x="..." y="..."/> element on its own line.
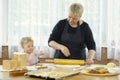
<point x="36" y="18"/>
<point x="113" y="41"/>
<point x="1" y="24"/>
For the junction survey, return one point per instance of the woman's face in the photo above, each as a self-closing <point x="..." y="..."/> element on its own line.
<point x="73" y="19"/>
<point x="28" y="47"/>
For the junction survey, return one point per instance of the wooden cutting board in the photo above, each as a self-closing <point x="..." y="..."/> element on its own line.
<point x="17" y="72"/>
<point x="106" y="74"/>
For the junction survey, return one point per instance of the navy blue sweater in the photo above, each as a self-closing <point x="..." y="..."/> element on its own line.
<point x="87" y="36"/>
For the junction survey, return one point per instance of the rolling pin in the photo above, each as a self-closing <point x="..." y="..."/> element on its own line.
<point x="66" y="61"/>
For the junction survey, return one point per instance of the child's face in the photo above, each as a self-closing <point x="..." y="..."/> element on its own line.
<point x="28" y="47"/>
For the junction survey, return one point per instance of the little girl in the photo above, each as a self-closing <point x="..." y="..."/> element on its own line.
<point x="32" y="55"/>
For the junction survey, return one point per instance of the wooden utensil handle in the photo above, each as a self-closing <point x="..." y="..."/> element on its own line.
<point x="49" y="60"/>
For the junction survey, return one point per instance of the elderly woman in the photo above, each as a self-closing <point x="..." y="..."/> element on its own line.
<point x="71" y="36"/>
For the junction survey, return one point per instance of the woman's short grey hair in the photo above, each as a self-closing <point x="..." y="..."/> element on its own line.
<point x="77" y="9"/>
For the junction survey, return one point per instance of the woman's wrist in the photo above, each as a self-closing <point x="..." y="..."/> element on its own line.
<point x="89" y="61"/>
<point x="91" y="54"/>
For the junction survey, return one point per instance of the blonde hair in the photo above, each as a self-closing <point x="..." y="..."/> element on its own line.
<point x="77" y="9"/>
<point x="25" y="40"/>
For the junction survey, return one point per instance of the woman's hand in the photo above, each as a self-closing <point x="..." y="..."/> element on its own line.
<point x="65" y="51"/>
<point x="61" y="47"/>
<point x="89" y="61"/>
<point x="91" y="54"/>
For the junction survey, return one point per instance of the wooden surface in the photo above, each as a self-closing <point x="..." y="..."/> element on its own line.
<point x="5" y="54"/>
<point x="104" y="55"/>
<point x="101" y="75"/>
<point x="5" y="76"/>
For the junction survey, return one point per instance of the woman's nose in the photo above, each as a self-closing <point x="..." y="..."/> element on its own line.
<point x="71" y="20"/>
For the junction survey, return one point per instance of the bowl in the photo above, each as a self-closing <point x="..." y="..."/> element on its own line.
<point x="114" y="70"/>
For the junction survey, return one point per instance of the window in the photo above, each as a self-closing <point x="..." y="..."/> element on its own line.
<point x="36" y="18"/>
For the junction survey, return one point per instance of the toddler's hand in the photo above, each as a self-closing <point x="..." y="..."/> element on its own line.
<point x="43" y="52"/>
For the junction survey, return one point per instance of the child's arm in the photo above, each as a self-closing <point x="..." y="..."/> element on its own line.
<point x="29" y="64"/>
<point x="43" y="54"/>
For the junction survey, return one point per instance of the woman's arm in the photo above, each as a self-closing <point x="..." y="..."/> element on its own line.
<point x="54" y="40"/>
<point x="57" y="31"/>
<point x="60" y="47"/>
<point x="91" y="54"/>
<point x="89" y="40"/>
<point x="90" y="58"/>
